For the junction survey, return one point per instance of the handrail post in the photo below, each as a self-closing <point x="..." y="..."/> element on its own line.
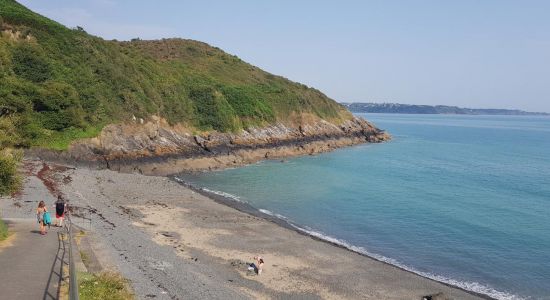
<point x="73" y="283"/>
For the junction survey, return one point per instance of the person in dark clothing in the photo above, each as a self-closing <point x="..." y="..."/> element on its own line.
<point x="60" y="208"/>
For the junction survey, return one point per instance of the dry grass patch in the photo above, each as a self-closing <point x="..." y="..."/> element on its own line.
<point x="106" y="285"/>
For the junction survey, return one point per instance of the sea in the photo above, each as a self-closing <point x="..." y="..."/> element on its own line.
<point x="461" y="199"/>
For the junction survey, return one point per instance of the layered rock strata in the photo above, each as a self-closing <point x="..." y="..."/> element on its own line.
<point x="156" y="148"/>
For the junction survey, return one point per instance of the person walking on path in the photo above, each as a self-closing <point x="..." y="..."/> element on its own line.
<point x="40" y="212"/>
<point x="60" y="208"/>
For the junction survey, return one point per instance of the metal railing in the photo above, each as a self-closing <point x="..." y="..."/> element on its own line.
<point x="73" y="282"/>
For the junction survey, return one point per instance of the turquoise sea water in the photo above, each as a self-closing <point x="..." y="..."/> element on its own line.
<point x="461" y="199"/>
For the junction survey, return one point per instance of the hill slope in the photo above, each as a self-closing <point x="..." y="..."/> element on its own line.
<point x="154" y="106"/>
<point x="59" y="83"/>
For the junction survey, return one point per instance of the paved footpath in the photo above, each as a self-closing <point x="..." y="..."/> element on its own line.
<point x="31" y="268"/>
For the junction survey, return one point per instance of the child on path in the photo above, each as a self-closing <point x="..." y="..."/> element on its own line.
<point x="40" y="211"/>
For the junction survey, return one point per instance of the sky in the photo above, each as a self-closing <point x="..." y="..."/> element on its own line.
<point x="469" y="53"/>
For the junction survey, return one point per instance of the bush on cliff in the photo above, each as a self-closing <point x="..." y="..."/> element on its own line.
<point x="58" y="84"/>
<point x="10" y="180"/>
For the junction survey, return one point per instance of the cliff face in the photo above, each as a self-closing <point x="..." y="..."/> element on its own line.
<point x="156" y="148"/>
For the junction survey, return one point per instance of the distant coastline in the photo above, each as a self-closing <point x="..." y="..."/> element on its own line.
<point x="396" y="108"/>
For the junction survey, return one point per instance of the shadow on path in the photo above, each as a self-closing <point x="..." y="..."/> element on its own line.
<point x="32" y="268"/>
<point x="56" y="273"/>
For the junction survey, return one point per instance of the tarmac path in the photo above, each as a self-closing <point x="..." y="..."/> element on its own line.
<point x="31" y="265"/>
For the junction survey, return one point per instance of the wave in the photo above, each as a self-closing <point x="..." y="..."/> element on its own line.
<point x="223" y="194"/>
<point x="219" y="193"/>
<point x="267" y="212"/>
<point x="176" y="178"/>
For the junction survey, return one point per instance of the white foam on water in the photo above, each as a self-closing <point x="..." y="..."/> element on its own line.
<point x="179" y="179"/>
<point x="219" y="193"/>
<point x="267" y="212"/>
<point x="469" y="286"/>
<point x="223" y="194"/>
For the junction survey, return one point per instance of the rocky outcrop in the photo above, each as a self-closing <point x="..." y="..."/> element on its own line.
<point x="155" y="147"/>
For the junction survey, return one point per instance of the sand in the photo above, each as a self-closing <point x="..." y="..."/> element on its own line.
<point x="173" y="243"/>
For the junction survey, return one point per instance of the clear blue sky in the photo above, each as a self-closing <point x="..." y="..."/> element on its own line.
<point x="477" y="54"/>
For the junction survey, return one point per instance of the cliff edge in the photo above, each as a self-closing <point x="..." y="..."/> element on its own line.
<point x="154" y="147"/>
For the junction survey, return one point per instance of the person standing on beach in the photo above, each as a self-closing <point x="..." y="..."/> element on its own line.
<point x="60" y="208"/>
<point x="40" y="211"/>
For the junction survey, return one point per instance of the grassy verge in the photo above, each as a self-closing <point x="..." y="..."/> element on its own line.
<point x="103" y="286"/>
<point x="3" y="230"/>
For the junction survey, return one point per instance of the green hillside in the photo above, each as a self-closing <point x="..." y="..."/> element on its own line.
<point x="58" y="84"/>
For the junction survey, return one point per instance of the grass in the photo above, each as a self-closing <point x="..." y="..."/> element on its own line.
<point x="61" y="140"/>
<point x="83" y="255"/>
<point x="3" y="230"/>
<point x="85" y="258"/>
<point x="103" y="286"/>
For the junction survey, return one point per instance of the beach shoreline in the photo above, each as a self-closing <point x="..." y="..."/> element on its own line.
<point x="285" y="223"/>
<point x="173" y="242"/>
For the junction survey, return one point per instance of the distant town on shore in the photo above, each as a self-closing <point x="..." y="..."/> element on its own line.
<point x="396" y="108"/>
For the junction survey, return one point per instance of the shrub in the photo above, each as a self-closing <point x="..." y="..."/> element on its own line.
<point x="9" y="134"/>
<point x="55" y="96"/>
<point x="247" y="103"/>
<point x="213" y="109"/>
<point x="18" y="130"/>
<point x="31" y="64"/>
<point x="10" y="180"/>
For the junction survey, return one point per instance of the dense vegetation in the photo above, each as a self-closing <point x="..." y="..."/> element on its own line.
<point x="10" y="180"/>
<point x="59" y="84"/>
